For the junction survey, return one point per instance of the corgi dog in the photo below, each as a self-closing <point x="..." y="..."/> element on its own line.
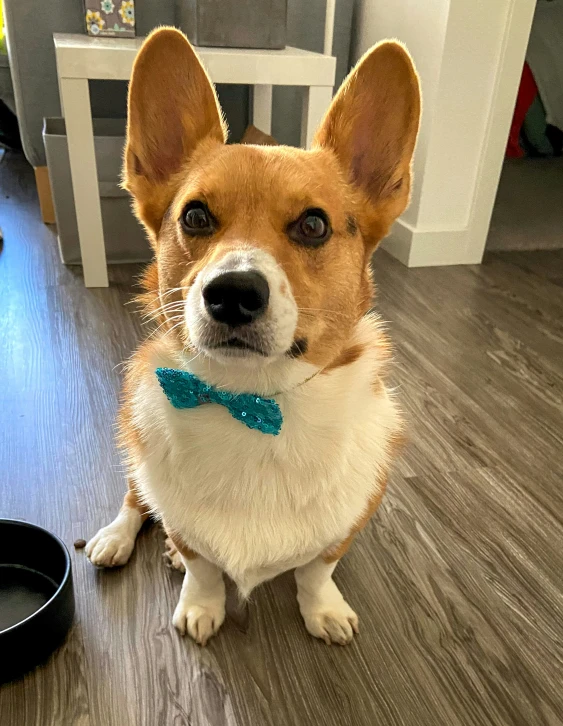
<point x="255" y="420"/>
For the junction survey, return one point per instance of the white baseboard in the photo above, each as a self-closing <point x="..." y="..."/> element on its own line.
<point x="427" y="248"/>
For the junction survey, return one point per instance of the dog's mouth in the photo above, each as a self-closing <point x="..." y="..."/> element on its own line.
<point x="238" y="345"/>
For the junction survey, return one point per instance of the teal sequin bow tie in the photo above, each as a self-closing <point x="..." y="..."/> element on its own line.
<point x="184" y="390"/>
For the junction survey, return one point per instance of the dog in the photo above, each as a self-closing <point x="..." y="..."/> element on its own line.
<point x="261" y="291"/>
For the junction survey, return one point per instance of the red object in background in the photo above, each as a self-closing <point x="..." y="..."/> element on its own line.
<point x="526" y="94"/>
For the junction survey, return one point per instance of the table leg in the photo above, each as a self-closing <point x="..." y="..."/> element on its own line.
<point x="80" y="135"/>
<point x="316" y="100"/>
<point x="262" y="108"/>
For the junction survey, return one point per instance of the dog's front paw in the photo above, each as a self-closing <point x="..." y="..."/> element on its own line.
<point x="111" y="546"/>
<point x="335" y="624"/>
<point x="201" y="622"/>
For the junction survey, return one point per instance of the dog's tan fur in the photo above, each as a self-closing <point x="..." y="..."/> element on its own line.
<point x="358" y="170"/>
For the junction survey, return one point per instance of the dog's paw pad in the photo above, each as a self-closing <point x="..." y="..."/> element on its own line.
<point x="110" y="547"/>
<point x="334" y="625"/>
<point x="200" y="622"/>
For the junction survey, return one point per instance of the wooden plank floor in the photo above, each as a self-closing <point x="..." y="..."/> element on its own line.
<point x="458" y="580"/>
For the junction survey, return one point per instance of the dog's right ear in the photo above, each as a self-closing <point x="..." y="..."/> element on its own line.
<point x="172" y="107"/>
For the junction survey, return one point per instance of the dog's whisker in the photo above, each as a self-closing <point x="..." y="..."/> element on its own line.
<point x="156" y="331"/>
<point x="158" y="319"/>
<point x="171" y="304"/>
<point x="163" y="309"/>
<point x="168" y="315"/>
<point x="196" y="356"/>
<point x="171" y="330"/>
<point x="320" y="310"/>
<point x="172" y="290"/>
<point x="164" y="323"/>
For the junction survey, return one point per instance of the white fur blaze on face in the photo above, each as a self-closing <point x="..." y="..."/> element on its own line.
<point x="272" y="333"/>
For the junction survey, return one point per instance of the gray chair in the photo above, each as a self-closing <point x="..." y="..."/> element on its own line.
<point x="30" y="26"/>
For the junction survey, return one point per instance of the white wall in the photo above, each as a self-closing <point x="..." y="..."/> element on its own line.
<point x="469" y="54"/>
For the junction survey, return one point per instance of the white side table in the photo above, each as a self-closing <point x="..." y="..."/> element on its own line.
<point x="80" y="58"/>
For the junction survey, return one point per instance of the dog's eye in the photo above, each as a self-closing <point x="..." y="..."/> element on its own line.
<point x="196" y="219"/>
<point x="313" y="226"/>
<point x="311" y="229"/>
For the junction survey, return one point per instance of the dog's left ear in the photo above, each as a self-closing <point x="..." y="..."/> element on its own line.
<point x="172" y="108"/>
<point x="371" y="126"/>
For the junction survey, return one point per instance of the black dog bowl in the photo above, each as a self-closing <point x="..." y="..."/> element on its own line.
<point x="36" y="597"/>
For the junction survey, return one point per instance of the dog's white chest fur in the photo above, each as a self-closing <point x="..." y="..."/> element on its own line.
<point x="257" y="504"/>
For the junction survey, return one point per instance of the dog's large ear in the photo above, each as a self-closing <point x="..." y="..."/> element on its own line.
<point x="371" y="126"/>
<point x="172" y="108"/>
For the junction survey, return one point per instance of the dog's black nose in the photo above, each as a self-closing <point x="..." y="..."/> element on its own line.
<point x="237" y="298"/>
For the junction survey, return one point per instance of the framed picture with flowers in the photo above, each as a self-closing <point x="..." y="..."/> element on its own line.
<point x="110" y="17"/>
